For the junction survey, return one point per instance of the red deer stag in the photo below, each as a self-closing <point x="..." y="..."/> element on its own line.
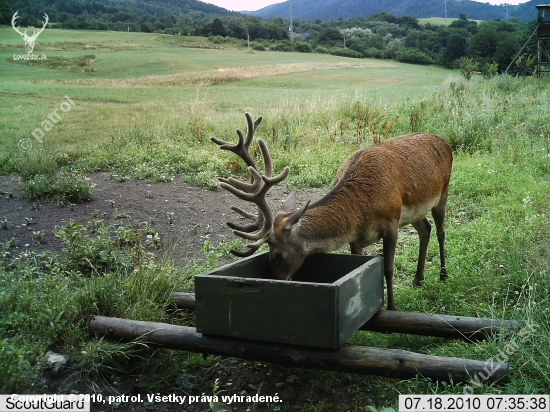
<point x="378" y="190"/>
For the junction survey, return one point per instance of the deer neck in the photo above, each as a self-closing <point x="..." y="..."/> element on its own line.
<point x="329" y="224"/>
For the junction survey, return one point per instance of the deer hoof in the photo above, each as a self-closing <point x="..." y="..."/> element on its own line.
<point x="417" y="283"/>
<point x="443" y="275"/>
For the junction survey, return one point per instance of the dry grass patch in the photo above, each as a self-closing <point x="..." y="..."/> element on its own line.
<point x="90" y="45"/>
<point x="220" y="76"/>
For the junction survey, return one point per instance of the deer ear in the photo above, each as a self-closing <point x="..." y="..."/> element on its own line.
<point x="296" y="216"/>
<point x="290" y="203"/>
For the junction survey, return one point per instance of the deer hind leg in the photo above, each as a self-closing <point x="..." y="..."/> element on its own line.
<point x="424" y="229"/>
<point x="438" y="214"/>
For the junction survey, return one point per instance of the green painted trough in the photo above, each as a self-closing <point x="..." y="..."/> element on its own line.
<point x="327" y="301"/>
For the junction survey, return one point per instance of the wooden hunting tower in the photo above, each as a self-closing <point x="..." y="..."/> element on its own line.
<point x="543" y="39"/>
<point x="543" y="31"/>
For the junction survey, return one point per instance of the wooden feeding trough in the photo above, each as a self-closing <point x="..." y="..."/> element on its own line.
<point x="305" y="322"/>
<point x="328" y="300"/>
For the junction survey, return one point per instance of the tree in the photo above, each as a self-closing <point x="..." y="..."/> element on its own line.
<point x="464" y="23"/>
<point x="506" y="50"/>
<point x="237" y="29"/>
<point x="6" y="12"/>
<point x="384" y="16"/>
<point x="215" y="28"/>
<point x="331" y="37"/>
<point x="456" y="47"/>
<point x="409" y="23"/>
<point x="484" y="43"/>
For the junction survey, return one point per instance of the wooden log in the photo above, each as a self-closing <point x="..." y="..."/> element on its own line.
<point x="446" y="326"/>
<point x="393" y="363"/>
<point x="415" y="323"/>
<point x="184" y="300"/>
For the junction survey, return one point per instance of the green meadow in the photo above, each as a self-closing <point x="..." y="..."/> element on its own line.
<point x="439" y="21"/>
<point x="149" y="106"/>
<point x="167" y="81"/>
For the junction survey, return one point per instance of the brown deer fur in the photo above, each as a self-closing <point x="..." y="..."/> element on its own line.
<point x="378" y="190"/>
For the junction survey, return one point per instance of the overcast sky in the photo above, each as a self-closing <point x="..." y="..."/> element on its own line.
<point x="251" y="5"/>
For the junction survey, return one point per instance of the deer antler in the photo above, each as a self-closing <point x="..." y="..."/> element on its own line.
<point x="13" y="20"/>
<point x="255" y="191"/>
<point x="242" y="149"/>
<point x="36" y="32"/>
<point x="46" y="20"/>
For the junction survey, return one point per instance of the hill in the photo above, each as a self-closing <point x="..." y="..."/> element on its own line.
<point x="331" y="9"/>
<point x="114" y="10"/>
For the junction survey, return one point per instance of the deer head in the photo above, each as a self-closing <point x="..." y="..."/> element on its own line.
<point x="286" y="251"/>
<point x="29" y="40"/>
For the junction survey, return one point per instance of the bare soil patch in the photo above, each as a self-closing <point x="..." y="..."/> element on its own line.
<point x="184" y="214"/>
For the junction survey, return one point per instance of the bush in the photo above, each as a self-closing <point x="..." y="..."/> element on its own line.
<point x="414" y="56"/>
<point x="467" y="67"/>
<point x="322" y="50"/>
<point x="283" y="46"/>
<point x="374" y="53"/>
<point x="258" y="47"/>
<point x="219" y="39"/>
<point x="99" y="252"/>
<point x="339" y="51"/>
<point x="61" y="187"/>
<point x="490" y="70"/>
<point x="16" y="369"/>
<point x="302" y="47"/>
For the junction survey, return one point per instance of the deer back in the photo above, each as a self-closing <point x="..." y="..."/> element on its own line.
<point x="379" y="188"/>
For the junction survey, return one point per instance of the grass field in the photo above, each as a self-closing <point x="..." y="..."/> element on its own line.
<point x="149" y="106"/>
<point x="153" y="81"/>
<point x="440" y="21"/>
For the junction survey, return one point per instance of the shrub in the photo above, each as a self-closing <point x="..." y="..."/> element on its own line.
<point x="218" y="39"/>
<point x="61" y="187"/>
<point x="414" y="56"/>
<point x="467" y="67"/>
<point x="16" y="369"/>
<point x="283" y="46"/>
<point x="374" y="53"/>
<point x="340" y="51"/>
<point x="322" y="50"/>
<point x="490" y="70"/>
<point x="302" y="47"/>
<point x="97" y="252"/>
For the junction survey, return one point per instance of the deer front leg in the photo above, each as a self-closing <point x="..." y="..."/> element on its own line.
<point x="438" y="214"/>
<point x="355" y="248"/>
<point x="389" y="243"/>
<point x="424" y="230"/>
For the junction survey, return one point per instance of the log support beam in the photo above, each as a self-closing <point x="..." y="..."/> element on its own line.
<point x="446" y="326"/>
<point x="392" y="363"/>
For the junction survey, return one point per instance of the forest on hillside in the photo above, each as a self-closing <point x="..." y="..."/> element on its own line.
<point x="488" y="46"/>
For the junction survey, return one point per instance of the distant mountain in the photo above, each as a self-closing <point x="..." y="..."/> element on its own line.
<point x="334" y="9"/>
